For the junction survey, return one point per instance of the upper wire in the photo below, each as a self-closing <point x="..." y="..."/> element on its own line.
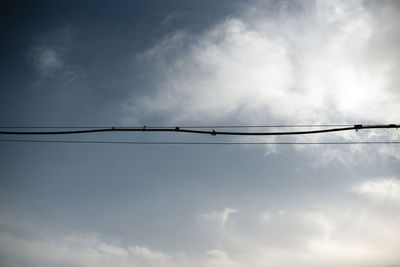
<point x="183" y="126"/>
<point x="212" y="131"/>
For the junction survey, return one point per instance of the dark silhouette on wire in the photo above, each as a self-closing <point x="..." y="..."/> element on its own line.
<point x="193" y="131"/>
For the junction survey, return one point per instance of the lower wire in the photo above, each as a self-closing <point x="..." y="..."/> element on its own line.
<point x="198" y="143"/>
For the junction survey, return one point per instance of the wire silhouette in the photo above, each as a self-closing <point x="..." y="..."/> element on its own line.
<point x="187" y="127"/>
<point x="199" y="143"/>
<point x="189" y="130"/>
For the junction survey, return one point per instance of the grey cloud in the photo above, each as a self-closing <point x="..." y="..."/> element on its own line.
<point x="47" y="61"/>
<point x="49" y="57"/>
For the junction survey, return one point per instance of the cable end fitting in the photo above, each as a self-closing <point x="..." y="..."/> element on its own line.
<point x="358" y="127"/>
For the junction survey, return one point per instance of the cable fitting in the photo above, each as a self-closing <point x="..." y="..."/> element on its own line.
<point x="213" y="132"/>
<point x="358" y="127"/>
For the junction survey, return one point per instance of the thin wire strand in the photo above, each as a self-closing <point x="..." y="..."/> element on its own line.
<point x="199" y="143"/>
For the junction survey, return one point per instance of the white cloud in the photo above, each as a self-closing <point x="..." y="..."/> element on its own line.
<point x="312" y="67"/>
<point x="383" y="190"/>
<point x="220" y="217"/>
<point x="225" y="215"/>
<point x="76" y="250"/>
<point x="316" y="64"/>
<point x="219" y="258"/>
<point x="329" y="236"/>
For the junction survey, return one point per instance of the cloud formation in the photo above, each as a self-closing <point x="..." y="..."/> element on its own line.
<point x="76" y="250"/>
<point x="49" y="57"/>
<point x="282" y="62"/>
<point x="220" y="217"/>
<point x="384" y="190"/>
<point x="327" y="235"/>
<point x="308" y="63"/>
<point x="47" y="61"/>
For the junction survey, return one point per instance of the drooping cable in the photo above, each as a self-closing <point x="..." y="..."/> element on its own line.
<point x="186" y="127"/>
<point x="210" y="132"/>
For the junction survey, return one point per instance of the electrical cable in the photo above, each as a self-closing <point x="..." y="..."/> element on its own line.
<point x="187" y="127"/>
<point x="212" y="132"/>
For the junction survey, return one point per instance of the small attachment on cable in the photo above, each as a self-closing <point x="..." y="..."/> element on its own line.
<point x="358" y="127"/>
<point x="393" y="126"/>
<point x="113" y="128"/>
<point x="177" y="129"/>
<point x="144" y="128"/>
<point x="213" y="132"/>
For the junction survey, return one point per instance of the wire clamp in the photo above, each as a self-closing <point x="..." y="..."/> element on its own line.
<point x="213" y="132"/>
<point x="177" y="129"/>
<point x="144" y="128"/>
<point x="358" y="127"/>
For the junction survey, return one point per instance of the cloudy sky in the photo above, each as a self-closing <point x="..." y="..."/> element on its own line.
<point x="174" y="63"/>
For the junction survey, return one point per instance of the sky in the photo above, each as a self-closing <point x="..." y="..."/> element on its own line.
<point x="177" y="63"/>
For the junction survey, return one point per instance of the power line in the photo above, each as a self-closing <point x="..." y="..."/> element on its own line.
<point x="183" y="126"/>
<point x="199" y="143"/>
<point x="210" y="132"/>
